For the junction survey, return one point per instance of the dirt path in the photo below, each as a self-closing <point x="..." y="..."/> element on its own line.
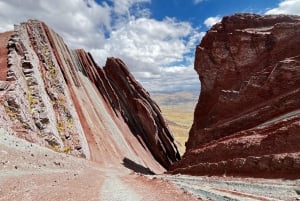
<point x="114" y="189"/>
<point x="29" y="172"/>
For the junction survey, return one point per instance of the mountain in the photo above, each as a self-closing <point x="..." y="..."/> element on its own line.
<point x="61" y="99"/>
<point x="247" y="120"/>
<point x="70" y="130"/>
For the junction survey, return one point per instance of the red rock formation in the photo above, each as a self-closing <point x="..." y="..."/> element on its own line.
<point x="4" y="37"/>
<point x="131" y="102"/>
<point x="247" y="120"/>
<point x="61" y="99"/>
<point x="140" y="112"/>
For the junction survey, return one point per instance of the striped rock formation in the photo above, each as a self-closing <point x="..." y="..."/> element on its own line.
<point x="61" y="99"/>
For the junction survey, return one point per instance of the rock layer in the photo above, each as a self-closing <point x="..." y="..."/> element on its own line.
<point x="61" y="99"/>
<point x="247" y="120"/>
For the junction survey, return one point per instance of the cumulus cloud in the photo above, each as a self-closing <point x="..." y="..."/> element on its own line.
<point x="209" y="22"/>
<point x="150" y="41"/>
<point x="79" y="22"/>
<point x="155" y="52"/>
<point x="286" y="7"/>
<point x="158" y="53"/>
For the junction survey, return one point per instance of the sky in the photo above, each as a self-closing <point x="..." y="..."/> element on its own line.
<point x="155" y="38"/>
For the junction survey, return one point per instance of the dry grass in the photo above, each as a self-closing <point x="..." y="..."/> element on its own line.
<point x="179" y="119"/>
<point x="178" y="110"/>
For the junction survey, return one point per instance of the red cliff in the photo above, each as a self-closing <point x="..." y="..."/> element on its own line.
<point x="247" y="120"/>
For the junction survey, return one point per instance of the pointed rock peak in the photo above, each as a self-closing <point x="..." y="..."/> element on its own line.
<point x="115" y="64"/>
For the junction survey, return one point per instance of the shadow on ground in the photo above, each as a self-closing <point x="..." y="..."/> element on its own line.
<point x="136" y="167"/>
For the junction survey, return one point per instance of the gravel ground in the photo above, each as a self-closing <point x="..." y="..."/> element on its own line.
<point x="231" y="188"/>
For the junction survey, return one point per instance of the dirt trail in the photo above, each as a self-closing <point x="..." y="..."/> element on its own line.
<point x="29" y="172"/>
<point x="114" y="189"/>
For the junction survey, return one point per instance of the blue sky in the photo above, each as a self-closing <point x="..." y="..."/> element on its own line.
<point x="196" y="13"/>
<point x="155" y="38"/>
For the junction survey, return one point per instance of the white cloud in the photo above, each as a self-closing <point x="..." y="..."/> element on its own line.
<point x="209" y="22"/>
<point x="78" y="22"/>
<point x="158" y="53"/>
<point x="183" y="78"/>
<point x="150" y="48"/>
<point x="197" y="1"/>
<point x="123" y="6"/>
<point x="150" y="41"/>
<point x="286" y="7"/>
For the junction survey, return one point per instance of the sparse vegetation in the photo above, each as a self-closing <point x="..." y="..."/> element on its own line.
<point x="178" y="111"/>
<point x="55" y="147"/>
<point x="25" y="125"/>
<point x="52" y="72"/>
<point x="61" y="99"/>
<point x="67" y="149"/>
<point x="31" y="99"/>
<point x="70" y="123"/>
<point x="31" y="110"/>
<point x="11" y="111"/>
<point x="60" y="126"/>
<point x="179" y="121"/>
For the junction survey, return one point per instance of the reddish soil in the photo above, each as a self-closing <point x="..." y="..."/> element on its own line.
<point x="29" y="172"/>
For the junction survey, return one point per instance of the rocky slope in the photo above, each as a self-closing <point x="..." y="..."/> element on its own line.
<point x="247" y="120"/>
<point x="61" y="99"/>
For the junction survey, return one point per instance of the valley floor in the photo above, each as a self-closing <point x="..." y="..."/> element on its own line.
<point x="29" y="172"/>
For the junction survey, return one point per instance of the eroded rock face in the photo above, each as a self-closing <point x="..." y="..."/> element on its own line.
<point x="61" y="99"/>
<point x="247" y="119"/>
<point x="140" y="112"/>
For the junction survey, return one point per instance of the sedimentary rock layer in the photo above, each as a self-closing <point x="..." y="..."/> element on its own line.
<point x="61" y="99"/>
<point x="247" y="120"/>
